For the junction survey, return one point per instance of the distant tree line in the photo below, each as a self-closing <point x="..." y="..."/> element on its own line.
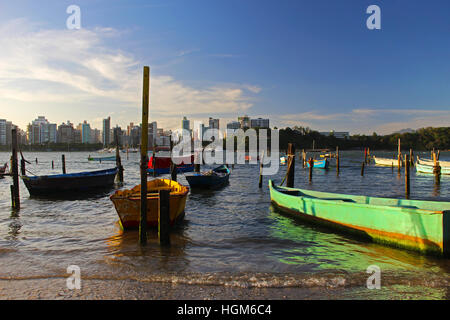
<point x="421" y="139"/>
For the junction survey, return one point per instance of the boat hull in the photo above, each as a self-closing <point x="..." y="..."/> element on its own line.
<point x="180" y="169"/>
<point x="320" y="164"/>
<point x="385" y="162"/>
<point x="70" y="183"/>
<point x="423" y="168"/>
<point x="112" y="158"/>
<point x="127" y="204"/>
<point x="199" y="180"/>
<point x="397" y="223"/>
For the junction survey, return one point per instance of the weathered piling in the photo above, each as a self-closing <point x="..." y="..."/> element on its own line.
<point x="365" y="155"/>
<point x="261" y="165"/>
<point x="15" y="171"/>
<point x="392" y="166"/>
<point x="438" y="155"/>
<point x="362" y="169"/>
<point x="164" y="217"/>
<point x="411" y="158"/>
<point x="173" y="171"/>
<point x="303" y="158"/>
<point x="407" y="187"/>
<point x="53" y="164"/>
<point x="337" y="160"/>
<point x="368" y="155"/>
<point x="36" y="161"/>
<point x="436" y="169"/>
<point x="144" y="156"/>
<point x="399" y="156"/>
<point x="63" y="161"/>
<point x="22" y="167"/>
<point x="197" y="162"/>
<point x="154" y="158"/>
<point x="291" y="166"/>
<point x="311" y="166"/>
<point x="118" y="160"/>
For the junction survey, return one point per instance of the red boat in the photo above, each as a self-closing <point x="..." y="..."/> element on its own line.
<point x="162" y="164"/>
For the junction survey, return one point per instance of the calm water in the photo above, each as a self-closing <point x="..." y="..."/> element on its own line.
<point x="230" y="237"/>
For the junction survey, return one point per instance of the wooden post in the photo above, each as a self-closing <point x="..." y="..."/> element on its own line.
<point x="392" y="166"/>
<point x="411" y="158"/>
<point x="36" y="161"/>
<point x="118" y="160"/>
<point x="337" y="160"/>
<point x="362" y="169"/>
<point x="311" y="166"/>
<point x="407" y="166"/>
<point x="399" y="155"/>
<point x="53" y="164"/>
<point x="261" y="165"/>
<point x="22" y="166"/>
<point x="303" y="158"/>
<point x="368" y="155"/>
<point x="436" y="169"/>
<point x="154" y="158"/>
<point x="438" y="155"/>
<point x="365" y="155"/>
<point x="144" y="157"/>
<point x="291" y="166"/>
<point x="15" y="171"/>
<point x="164" y="217"/>
<point x="63" y="161"/>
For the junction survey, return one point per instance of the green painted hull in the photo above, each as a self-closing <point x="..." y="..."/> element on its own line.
<point x="411" y="224"/>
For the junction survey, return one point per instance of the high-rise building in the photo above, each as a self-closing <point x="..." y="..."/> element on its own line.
<point x="85" y="129"/>
<point x="65" y="133"/>
<point x="42" y="131"/>
<point x="106" y="133"/>
<point x="213" y="123"/>
<point x="185" y="124"/>
<point x="2" y="132"/>
<point x="259" y="123"/>
<point x="152" y="133"/>
<point x="244" y="121"/>
<point x="233" y="125"/>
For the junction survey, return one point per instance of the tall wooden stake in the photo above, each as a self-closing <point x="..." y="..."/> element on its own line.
<point x="362" y="169"/>
<point x="15" y="170"/>
<point x="164" y="217"/>
<point x="337" y="160"/>
<point x="407" y="166"/>
<point x="63" y="161"/>
<point x="311" y="166"/>
<point x="144" y="157"/>
<point x="399" y="156"/>
<point x="291" y="166"/>
<point x="261" y="165"/>
<point x="118" y="160"/>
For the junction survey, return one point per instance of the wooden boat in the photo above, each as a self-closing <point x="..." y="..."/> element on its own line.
<point x="162" y="164"/>
<point x="112" y="158"/>
<point x="210" y="179"/>
<point x="127" y="203"/>
<point x="386" y="162"/>
<point x="70" y="183"/>
<point x="431" y="162"/>
<point x="412" y="224"/>
<point x="321" y="164"/>
<point x="425" y="168"/>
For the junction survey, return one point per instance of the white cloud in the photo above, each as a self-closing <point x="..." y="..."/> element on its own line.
<point x="43" y="69"/>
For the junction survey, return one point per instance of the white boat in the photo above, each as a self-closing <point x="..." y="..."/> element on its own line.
<point x="283" y="160"/>
<point x="386" y="162"/>
<point x="431" y="162"/>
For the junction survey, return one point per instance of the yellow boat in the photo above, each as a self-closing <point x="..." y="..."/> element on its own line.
<point x="127" y="203"/>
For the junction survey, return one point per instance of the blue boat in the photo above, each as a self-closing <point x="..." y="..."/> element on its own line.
<point x="321" y="164"/>
<point x="70" y="184"/>
<point x="180" y="169"/>
<point x="210" y="179"/>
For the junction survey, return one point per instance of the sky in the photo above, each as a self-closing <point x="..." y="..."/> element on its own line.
<point x="306" y="63"/>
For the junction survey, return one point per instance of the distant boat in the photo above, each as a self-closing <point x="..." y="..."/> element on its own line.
<point x="386" y="162"/>
<point x="110" y="158"/>
<point x="210" y="179"/>
<point x="283" y="161"/>
<point x="429" y="168"/>
<point x="320" y="164"/>
<point x="431" y="162"/>
<point x="128" y="203"/>
<point x="411" y="224"/>
<point x="70" y="183"/>
<point x="163" y="163"/>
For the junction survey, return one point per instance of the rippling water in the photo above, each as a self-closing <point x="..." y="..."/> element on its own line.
<point x="231" y="237"/>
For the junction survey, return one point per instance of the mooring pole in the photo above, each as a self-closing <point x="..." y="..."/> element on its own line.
<point x="164" y="217"/>
<point x="399" y="156"/>
<point x="362" y="169"/>
<point x="63" y="160"/>
<point x="337" y="160"/>
<point x="118" y="160"/>
<point x="53" y="164"/>
<point x="261" y="165"/>
<point x="197" y="162"/>
<point x="311" y="166"/>
<point x="144" y="157"/>
<point x="436" y="169"/>
<point x="407" y="187"/>
<point x="291" y="166"/>
<point x="15" y="171"/>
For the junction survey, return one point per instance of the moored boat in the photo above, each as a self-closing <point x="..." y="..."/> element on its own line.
<point x="412" y="224"/>
<point x="283" y="161"/>
<point x="425" y="168"/>
<point x="69" y="184"/>
<point x="162" y="164"/>
<point x="210" y="179"/>
<point x="321" y="164"/>
<point x="127" y="203"/>
<point x="431" y="162"/>
<point x="112" y="158"/>
<point x="386" y="162"/>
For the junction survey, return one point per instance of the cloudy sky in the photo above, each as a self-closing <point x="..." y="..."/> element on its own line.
<point x="307" y="63"/>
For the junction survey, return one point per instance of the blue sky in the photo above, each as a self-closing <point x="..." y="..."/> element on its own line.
<point x="308" y="63"/>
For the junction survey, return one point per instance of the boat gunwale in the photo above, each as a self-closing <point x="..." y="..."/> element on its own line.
<point x="364" y="205"/>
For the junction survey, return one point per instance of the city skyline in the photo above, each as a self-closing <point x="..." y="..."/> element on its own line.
<point x="301" y="63"/>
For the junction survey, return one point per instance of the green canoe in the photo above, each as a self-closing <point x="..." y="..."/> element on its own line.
<point x="412" y="224"/>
